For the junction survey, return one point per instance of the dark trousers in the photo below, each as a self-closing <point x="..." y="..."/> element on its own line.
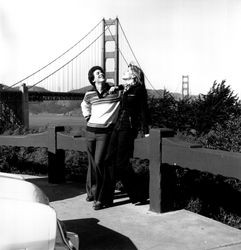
<point x="120" y="150"/>
<point x="96" y="150"/>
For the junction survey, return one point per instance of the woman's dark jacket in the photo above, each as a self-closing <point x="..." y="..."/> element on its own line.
<point x="134" y="110"/>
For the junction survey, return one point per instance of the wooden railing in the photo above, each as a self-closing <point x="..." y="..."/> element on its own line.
<point x="193" y="156"/>
<point x="158" y="148"/>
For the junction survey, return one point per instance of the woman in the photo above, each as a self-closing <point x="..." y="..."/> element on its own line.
<point x="100" y="109"/>
<point x="132" y="118"/>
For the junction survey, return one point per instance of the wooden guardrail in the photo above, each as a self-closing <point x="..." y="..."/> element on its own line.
<point x="57" y="142"/>
<point x="158" y="148"/>
<point x="193" y="156"/>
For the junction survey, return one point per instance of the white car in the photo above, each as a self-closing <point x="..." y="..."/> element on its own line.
<point x="27" y="222"/>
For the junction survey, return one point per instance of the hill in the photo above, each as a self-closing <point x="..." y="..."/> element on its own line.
<point x="82" y="90"/>
<point x="159" y="93"/>
<point x="5" y="87"/>
<point x="37" y="89"/>
<point x="151" y="92"/>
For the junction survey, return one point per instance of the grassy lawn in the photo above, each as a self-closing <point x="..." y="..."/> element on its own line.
<point x="46" y="119"/>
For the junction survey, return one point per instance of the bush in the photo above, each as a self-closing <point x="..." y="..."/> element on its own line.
<point x="213" y="196"/>
<point x="76" y="164"/>
<point x="184" y="114"/>
<point x="23" y="160"/>
<point x="201" y="113"/>
<point x="217" y="107"/>
<point x="162" y="110"/>
<point x="8" y="119"/>
<point x="226" y="136"/>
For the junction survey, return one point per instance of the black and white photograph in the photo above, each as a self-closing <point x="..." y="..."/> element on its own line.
<point x="120" y="124"/>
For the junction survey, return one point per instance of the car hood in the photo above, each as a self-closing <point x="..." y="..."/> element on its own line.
<point x="14" y="187"/>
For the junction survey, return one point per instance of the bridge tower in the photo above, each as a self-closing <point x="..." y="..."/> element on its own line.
<point x="185" y="86"/>
<point x="110" y="50"/>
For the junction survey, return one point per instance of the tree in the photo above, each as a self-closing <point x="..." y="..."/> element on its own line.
<point x="8" y="119"/>
<point x="226" y="136"/>
<point x="162" y="110"/>
<point x="184" y="114"/>
<point x="216" y="107"/>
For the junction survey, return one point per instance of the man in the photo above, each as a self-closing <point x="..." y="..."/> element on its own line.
<point x="100" y="109"/>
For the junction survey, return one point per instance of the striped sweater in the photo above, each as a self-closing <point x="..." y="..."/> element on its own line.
<point x="100" y="111"/>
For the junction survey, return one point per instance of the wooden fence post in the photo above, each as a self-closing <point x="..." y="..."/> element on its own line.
<point x="155" y="170"/>
<point x="155" y="192"/>
<point x="56" y="157"/>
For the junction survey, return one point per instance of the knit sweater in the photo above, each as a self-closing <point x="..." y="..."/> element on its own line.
<point x="100" y="110"/>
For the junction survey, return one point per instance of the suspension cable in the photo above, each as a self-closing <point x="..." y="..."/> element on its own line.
<point x="71" y="59"/>
<point x="56" y="57"/>
<point x="136" y="59"/>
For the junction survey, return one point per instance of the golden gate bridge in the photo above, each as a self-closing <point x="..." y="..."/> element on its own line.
<point x="106" y="44"/>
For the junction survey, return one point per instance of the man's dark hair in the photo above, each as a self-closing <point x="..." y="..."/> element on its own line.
<point x="91" y="73"/>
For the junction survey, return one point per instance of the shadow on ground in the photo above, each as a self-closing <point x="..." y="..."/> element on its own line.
<point x="61" y="191"/>
<point x="71" y="189"/>
<point x="100" y="238"/>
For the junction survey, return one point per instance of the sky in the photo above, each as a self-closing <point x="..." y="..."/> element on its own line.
<point x="170" y="38"/>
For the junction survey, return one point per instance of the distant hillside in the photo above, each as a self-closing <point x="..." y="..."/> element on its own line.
<point x="4" y="87"/>
<point x="151" y="92"/>
<point x="37" y="89"/>
<point x="159" y="93"/>
<point x="82" y="90"/>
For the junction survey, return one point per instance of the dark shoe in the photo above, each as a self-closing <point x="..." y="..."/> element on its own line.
<point x="133" y="200"/>
<point x="89" y="198"/>
<point x="108" y="204"/>
<point x="98" y="205"/>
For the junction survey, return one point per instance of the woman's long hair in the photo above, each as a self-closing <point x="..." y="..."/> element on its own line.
<point x="140" y="77"/>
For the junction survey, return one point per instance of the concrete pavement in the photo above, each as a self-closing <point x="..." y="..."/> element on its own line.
<point x="129" y="227"/>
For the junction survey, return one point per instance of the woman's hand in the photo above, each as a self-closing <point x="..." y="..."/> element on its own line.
<point x="112" y="89"/>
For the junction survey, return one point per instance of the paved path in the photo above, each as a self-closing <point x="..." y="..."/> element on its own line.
<point x="129" y="227"/>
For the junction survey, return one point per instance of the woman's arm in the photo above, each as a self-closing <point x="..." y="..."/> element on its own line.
<point x="113" y="89"/>
<point x="145" y="117"/>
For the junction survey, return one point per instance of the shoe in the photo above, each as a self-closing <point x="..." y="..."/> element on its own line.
<point x="89" y="198"/>
<point x="133" y="200"/>
<point x="108" y="204"/>
<point x="98" y="205"/>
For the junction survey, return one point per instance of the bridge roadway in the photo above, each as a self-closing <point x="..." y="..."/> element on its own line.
<point x="37" y="96"/>
<point x="126" y="226"/>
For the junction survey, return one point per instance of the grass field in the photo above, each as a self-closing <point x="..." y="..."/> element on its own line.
<point x="46" y="119"/>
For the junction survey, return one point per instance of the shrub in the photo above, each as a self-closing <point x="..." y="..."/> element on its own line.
<point x="76" y="164"/>
<point x="23" y="160"/>
<point x="226" y="136"/>
<point x="184" y="114"/>
<point x="162" y="110"/>
<point x="8" y="119"/>
<point x="214" y="196"/>
<point x="215" y="108"/>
